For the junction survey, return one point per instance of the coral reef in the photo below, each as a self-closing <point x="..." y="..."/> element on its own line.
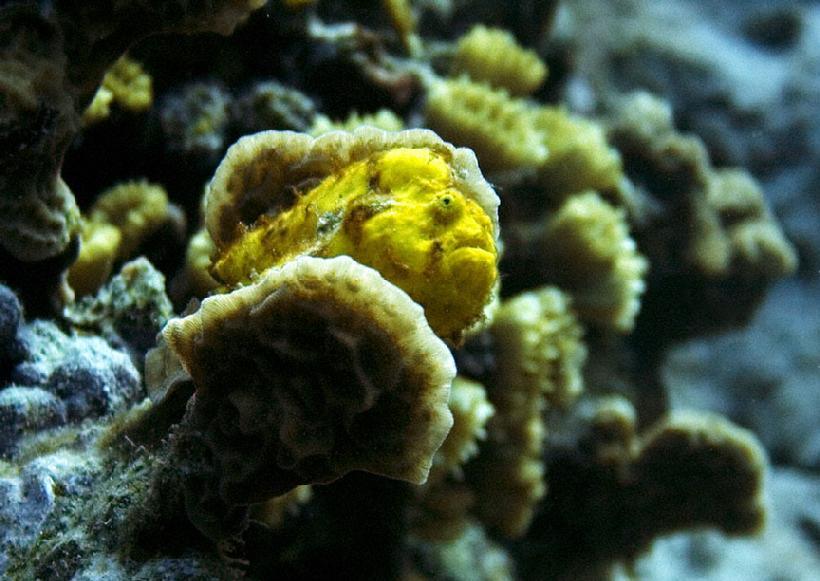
<point x="271" y="105"/>
<point x="54" y="58"/>
<point x="580" y="158"/>
<point x="540" y="356"/>
<point x="312" y="420"/>
<point x="99" y="246"/>
<point x="445" y="500"/>
<point x="127" y="84"/>
<point x="585" y="248"/>
<point x="382" y="119"/>
<point x="129" y="311"/>
<point x="635" y="490"/>
<point x="708" y="227"/>
<point x="196" y="119"/>
<point x="415" y="289"/>
<point x="120" y="222"/>
<point x="492" y="55"/>
<point x="496" y="126"/>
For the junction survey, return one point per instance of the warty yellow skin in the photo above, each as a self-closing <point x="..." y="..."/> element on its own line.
<point x="396" y="211"/>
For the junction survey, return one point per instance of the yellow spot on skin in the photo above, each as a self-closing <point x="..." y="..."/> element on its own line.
<point x="396" y="211"/>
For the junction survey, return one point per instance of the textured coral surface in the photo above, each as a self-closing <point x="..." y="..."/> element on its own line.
<point x="412" y="289"/>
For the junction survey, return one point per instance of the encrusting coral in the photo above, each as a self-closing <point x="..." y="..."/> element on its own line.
<point x="708" y="229"/>
<point x="136" y="208"/>
<point x="496" y="126"/>
<point x="406" y="203"/>
<point x="99" y="246"/>
<point x="471" y="410"/>
<point x="615" y="491"/>
<point x="444" y="502"/>
<point x="129" y="311"/>
<point x="272" y="105"/>
<point x="373" y="398"/>
<point x="756" y="243"/>
<point x="121" y="219"/>
<point x="127" y="84"/>
<point x="580" y="158"/>
<point x="540" y="355"/>
<point x="382" y="119"/>
<point x="196" y="278"/>
<point x="492" y="55"/>
<point x="728" y="227"/>
<point x="585" y="248"/>
<point x="566" y="153"/>
<point x="196" y="118"/>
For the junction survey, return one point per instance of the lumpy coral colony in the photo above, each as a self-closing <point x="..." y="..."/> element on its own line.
<point x="395" y="350"/>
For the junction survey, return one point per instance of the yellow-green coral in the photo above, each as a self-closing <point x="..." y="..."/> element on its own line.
<point x="496" y="126"/>
<point x="137" y="208"/>
<point x="130" y="85"/>
<point x="127" y="84"/>
<point x="198" y="279"/>
<point x="587" y="250"/>
<point x="715" y="222"/>
<point x="99" y="245"/>
<point x="405" y="211"/>
<point x="404" y="22"/>
<point x="540" y="345"/>
<point x="100" y="106"/>
<point x="540" y="356"/>
<point x="471" y="410"/>
<point x="382" y="119"/>
<point x="751" y="239"/>
<point x="580" y="157"/>
<point x="444" y="502"/>
<point x="492" y="55"/>
<point x="121" y="219"/>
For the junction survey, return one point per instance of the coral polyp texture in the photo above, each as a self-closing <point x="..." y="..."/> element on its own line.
<point x="445" y="501"/>
<point x="382" y="119"/>
<point x="585" y="248"/>
<point x="491" y="122"/>
<point x="538" y="342"/>
<point x="580" y="158"/>
<point x="492" y="55"/>
<point x="373" y="397"/>
<point x="408" y="204"/>
<point x="412" y="290"/>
